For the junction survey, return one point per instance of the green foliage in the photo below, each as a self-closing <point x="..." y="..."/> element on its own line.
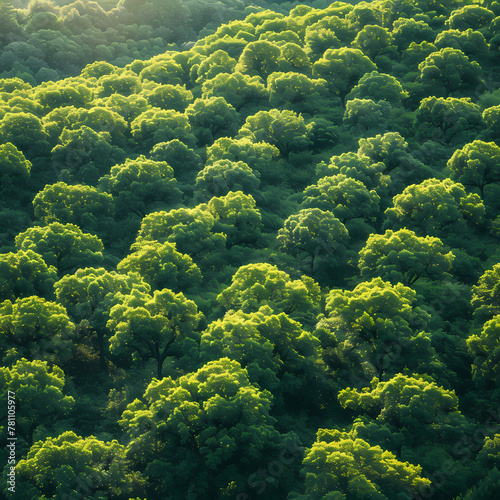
<point x="25" y="273"/>
<point x="476" y="164"/>
<point x="420" y="409"/>
<point x="85" y="154"/>
<point x="342" y="68"/>
<point x="345" y="197"/>
<point x="204" y="419"/>
<point x="376" y="325"/>
<point x="174" y="97"/>
<point x="64" y="246"/>
<point x="212" y="118"/>
<point x="402" y="256"/>
<point x="339" y="466"/>
<point x="223" y="176"/>
<point x="253" y="144"/>
<point x="450" y="70"/>
<point x="284" y="129"/>
<point x="259" y="58"/>
<point x="236" y="88"/>
<point x="76" y="204"/>
<point x="35" y="328"/>
<point x="378" y="86"/>
<point x="297" y="91"/>
<point x="136" y="183"/>
<point x="374" y="41"/>
<point x="436" y="208"/>
<point x="161" y="266"/>
<point x="470" y="17"/>
<point x="236" y="217"/>
<point x="485" y="295"/>
<point x="260" y="156"/>
<point x="39" y="394"/>
<point x="316" y="233"/>
<point x="470" y="42"/>
<point x="13" y="163"/>
<point x="70" y="465"/>
<point x="189" y="228"/>
<point x="485" y="349"/>
<point x="153" y="326"/>
<point x="443" y="120"/>
<point x="256" y="285"/>
<point x="158" y="125"/>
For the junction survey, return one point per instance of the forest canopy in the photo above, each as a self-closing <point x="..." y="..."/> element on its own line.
<point x="249" y="249"/>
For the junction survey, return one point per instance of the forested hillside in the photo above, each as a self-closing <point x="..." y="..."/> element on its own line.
<point x="254" y="256"/>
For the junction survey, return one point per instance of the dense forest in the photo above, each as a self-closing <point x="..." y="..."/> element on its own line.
<point x="250" y="250"/>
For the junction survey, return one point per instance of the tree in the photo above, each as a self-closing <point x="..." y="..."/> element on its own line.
<point x="136" y="183"/>
<point x="375" y="41"/>
<point x="318" y="40"/>
<point x="158" y="125"/>
<point x="346" y="198"/>
<point x="365" y="115"/>
<point x="200" y="424"/>
<point x="407" y="31"/>
<point x="85" y="154"/>
<point x="25" y="273"/>
<point x="100" y="119"/>
<point x="68" y="466"/>
<point x="161" y="266"/>
<point x="39" y="395"/>
<point x="222" y="176"/>
<point x="35" y="328"/>
<point x="293" y="58"/>
<point x="8" y="23"/>
<point x="485" y="347"/>
<point x="277" y="353"/>
<point x="174" y="97"/>
<point x="436" y="208"/>
<point x="342" y="68"/>
<point x="256" y="285"/>
<point x="470" y="42"/>
<point x="476" y="164"/>
<point x="339" y="465"/>
<point x="25" y="131"/>
<point x="486" y="294"/>
<point x="259" y="58"/>
<point x="13" y="164"/>
<point x="180" y="157"/>
<point x="236" y="217"/>
<point x="421" y="410"/>
<point x="154" y="327"/>
<point x="402" y="256"/>
<point x="76" y="204"/>
<point x="378" y="86"/>
<point x="211" y="118"/>
<point x="357" y="166"/>
<point x="260" y="156"/>
<point x="189" y="228"/>
<point x="491" y="117"/>
<point x="297" y="91"/>
<point x="284" y="129"/>
<point x="314" y="232"/>
<point x="450" y="70"/>
<point x="236" y="88"/>
<point x="88" y="296"/>
<point x="470" y="17"/>
<point x="216" y="63"/>
<point x="442" y="119"/>
<point x="64" y="246"/>
<point x="124" y="84"/>
<point x="376" y="327"/>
